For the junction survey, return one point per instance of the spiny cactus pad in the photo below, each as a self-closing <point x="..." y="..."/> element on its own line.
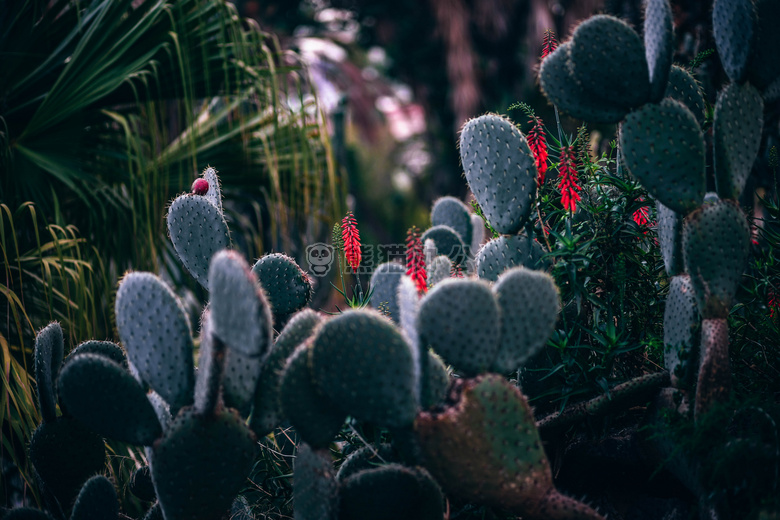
<point x="608" y="60"/>
<point x="664" y="149"/>
<point x="734" y="27"/>
<point x="390" y="492"/>
<point x="439" y="270"/>
<point x="108" y="349"/>
<point x="460" y="319"/>
<point x="529" y="304"/>
<point x="500" y="170"/>
<point x="683" y="87"/>
<point x="364" y="365"/>
<point x="311" y="413"/>
<point x="716" y="242"/>
<point x="201" y="463"/>
<point x="447" y="241"/>
<point x="214" y="193"/>
<point x="49" y="349"/>
<point x="97" y="500"/>
<point x="451" y="212"/>
<point x="670" y="239"/>
<point x="63" y="471"/>
<point x="285" y="284"/>
<point x="505" y="252"/>
<point x="477" y="233"/>
<point x="681" y="324"/>
<point x="198" y="230"/>
<point x="739" y="119"/>
<point x="156" y="333"/>
<point x="409" y="306"/>
<point x="435" y="391"/>
<point x="209" y="380"/>
<point x="714" y="381"/>
<point x="659" y="45"/>
<point x="315" y="489"/>
<point x="267" y="411"/>
<point x="240" y="313"/>
<point x="486" y="448"/>
<point x="106" y="398"/>
<point x="367" y="457"/>
<point x="384" y="282"/>
<point x="560" y="87"/>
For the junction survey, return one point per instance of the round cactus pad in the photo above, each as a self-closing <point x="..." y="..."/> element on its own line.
<point x="716" y="243"/>
<point x="285" y="284"/>
<point x="734" y="27"/>
<point x="439" y="270"/>
<point x="476" y="453"/>
<point x="201" y="464"/>
<point x="198" y="230"/>
<point x="500" y="170"/>
<point x="505" y="252"/>
<point x="106" y="398"/>
<point x="664" y="149"/>
<point x="96" y="500"/>
<point x="451" y="212"/>
<point x="384" y="282"/>
<point x="670" y="239"/>
<point x="315" y="489"/>
<point x="49" y="349"/>
<point x="608" y="60"/>
<point x="156" y="333"/>
<point x="362" y="362"/>
<point x="447" y="242"/>
<point x="683" y="87"/>
<point x="739" y="119"/>
<point x="108" y="349"/>
<point x="563" y="91"/>
<point x="659" y="45"/>
<point x="681" y="324"/>
<point x="529" y="304"/>
<point x="460" y="319"/>
<point x="214" y="194"/>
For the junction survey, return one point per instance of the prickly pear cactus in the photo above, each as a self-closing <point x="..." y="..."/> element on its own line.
<point x="670" y="239"/>
<point x="659" y="45"/>
<point x="734" y="27"/>
<point x="384" y="281"/>
<point x="286" y="285"/>
<point x="681" y="327"/>
<point x="449" y="211"/>
<point x="448" y="242"/>
<point x="505" y="252"/>
<point x="500" y="170"/>
<point x="315" y="489"/>
<point x="683" y="87"/>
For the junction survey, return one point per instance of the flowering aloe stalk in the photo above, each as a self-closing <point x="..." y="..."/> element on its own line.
<point x="538" y="144"/>
<point x="549" y="44"/>
<point x="567" y="167"/>
<point x="415" y="260"/>
<point x="351" y="239"/>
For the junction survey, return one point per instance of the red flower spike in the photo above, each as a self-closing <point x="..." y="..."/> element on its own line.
<point x="200" y="186"/>
<point x="568" y="179"/>
<point x="640" y="216"/>
<point x="538" y="144"/>
<point x="549" y="44"/>
<point x="351" y="238"/>
<point x="456" y="271"/>
<point x="773" y="303"/>
<point x="415" y="260"/>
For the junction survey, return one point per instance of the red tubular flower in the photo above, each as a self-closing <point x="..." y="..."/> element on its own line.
<point x="538" y="144"/>
<point x="568" y="179"/>
<point x="640" y="216"/>
<point x="772" y="303"/>
<point x="456" y="271"/>
<point x="415" y="260"/>
<point x="549" y="44"/>
<point x="351" y="238"/>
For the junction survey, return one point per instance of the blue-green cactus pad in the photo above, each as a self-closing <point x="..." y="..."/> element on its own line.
<point x="684" y="88"/>
<point x="384" y="282"/>
<point x="364" y="365"/>
<point x="155" y="331"/>
<point x="734" y="28"/>
<point x="460" y="319"/>
<point x="447" y="241"/>
<point x="201" y="464"/>
<point x="681" y="324"/>
<point x="670" y="239"/>
<point x="106" y="398"/>
<point x="108" y="349"/>
<point x="451" y="212"/>
<point x="501" y="172"/>
<point x="439" y="270"/>
<point x="97" y="500"/>
<point x="198" y="230"/>
<point x="285" y="284"/>
<point x="315" y="489"/>
<point x="505" y="252"/>
<point x="49" y="349"/>
<point x="214" y="194"/>
<point x="664" y="149"/>
<point x="659" y="45"/>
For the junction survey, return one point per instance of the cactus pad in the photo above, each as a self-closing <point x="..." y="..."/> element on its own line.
<point x="664" y="149"/>
<point x="504" y="252"/>
<point x="608" y="60"/>
<point x="739" y="119"/>
<point x="477" y="233"/>
<point x="108" y="349"/>
<point x="285" y="284"/>
<point x="49" y="349"/>
<point x="201" y="463"/>
<point x="475" y="453"/>
<point x="107" y="399"/>
<point x="734" y="27"/>
<point x="315" y="489"/>
<point x="529" y="304"/>
<point x="312" y="414"/>
<point x="683" y="87"/>
<point x="560" y="87"/>
<point x="97" y="500"/>
<point x="141" y="485"/>
<point x="670" y="239"/>
<point x="384" y="282"/>
<point x="447" y="242"/>
<point x="367" y="457"/>
<point x="716" y="242"/>
<point x="460" y="319"/>
<point x="439" y="270"/>
<point x="451" y="212"/>
<point x="500" y="170"/>
<point x="659" y="45"/>
<point x="714" y="382"/>
<point x="267" y="411"/>
<point x="214" y="193"/>
<point x="681" y="323"/>
<point x="764" y="64"/>
<point x="409" y="306"/>
<point x="435" y="391"/>
<point x="156" y="333"/>
<point x="365" y="366"/>
<point x="390" y="492"/>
